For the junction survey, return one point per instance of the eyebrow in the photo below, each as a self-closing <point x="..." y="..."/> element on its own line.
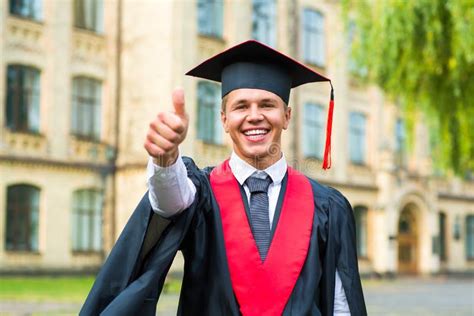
<point x="268" y="101"/>
<point x="243" y="101"/>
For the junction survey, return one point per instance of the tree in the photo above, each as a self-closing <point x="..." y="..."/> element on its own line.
<point x="421" y="53"/>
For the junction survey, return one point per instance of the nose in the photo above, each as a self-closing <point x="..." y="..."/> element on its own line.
<point x="254" y="114"/>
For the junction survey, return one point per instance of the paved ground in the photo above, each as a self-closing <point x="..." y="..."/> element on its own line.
<point x="440" y="296"/>
<point x="420" y="297"/>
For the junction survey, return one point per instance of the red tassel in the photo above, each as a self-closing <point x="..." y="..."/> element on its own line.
<point x="327" y="150"/>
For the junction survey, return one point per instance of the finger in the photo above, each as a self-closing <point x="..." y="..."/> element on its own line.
<point x="178" y="101"/>
<point x="164" y="130"/>
<point x="173" y="121"/>
<point x="160" y="141"/>
<point x="152" y="149"/>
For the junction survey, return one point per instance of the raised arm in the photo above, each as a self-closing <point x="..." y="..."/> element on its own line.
<point x="169" y="189"/>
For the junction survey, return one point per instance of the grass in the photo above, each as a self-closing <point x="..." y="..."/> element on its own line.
<point x="73" y="289"/>
<point x="42" y="289"/>
<point x="57" y="289"/>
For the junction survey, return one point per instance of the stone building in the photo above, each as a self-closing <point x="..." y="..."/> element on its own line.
<point x="80" y="80"/>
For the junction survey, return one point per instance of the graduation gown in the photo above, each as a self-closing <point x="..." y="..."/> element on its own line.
<point x="133" y="275"/>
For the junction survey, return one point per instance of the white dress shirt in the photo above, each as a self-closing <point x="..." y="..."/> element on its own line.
<point x="171" y="191"/>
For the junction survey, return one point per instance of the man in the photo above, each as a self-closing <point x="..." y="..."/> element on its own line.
<point x="258" y="237"/>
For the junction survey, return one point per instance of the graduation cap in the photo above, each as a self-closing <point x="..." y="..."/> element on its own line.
<point x="253" y="65"/>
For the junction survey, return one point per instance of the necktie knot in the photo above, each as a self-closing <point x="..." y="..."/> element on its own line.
<point x="256" y="184"/>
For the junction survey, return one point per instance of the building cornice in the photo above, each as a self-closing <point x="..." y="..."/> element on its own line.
<point x="345" y="185"/>
<point x="456" y="197"/>
<point x="103" y="168"/>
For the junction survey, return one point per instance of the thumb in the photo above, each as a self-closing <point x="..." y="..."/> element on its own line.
<point x="178" y="101"/>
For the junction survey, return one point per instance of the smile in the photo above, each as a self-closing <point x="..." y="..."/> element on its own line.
<point x="256" y="134"/>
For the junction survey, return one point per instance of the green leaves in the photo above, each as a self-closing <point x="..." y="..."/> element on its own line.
<point x="422" y="53"/>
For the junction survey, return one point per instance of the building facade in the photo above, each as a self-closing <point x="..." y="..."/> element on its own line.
<point x="80" y="81"/>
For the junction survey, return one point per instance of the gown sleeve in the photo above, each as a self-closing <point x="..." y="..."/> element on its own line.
<point x="341" y="253"/>
<point x="132" y="277"/>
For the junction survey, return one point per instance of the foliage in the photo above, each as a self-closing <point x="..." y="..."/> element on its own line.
<point x="422" y="55"/>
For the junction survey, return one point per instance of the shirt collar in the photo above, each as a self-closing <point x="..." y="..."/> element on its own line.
<point x="242" y="170"/>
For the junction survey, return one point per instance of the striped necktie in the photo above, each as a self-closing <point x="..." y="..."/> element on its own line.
<point x="259" y="218"/>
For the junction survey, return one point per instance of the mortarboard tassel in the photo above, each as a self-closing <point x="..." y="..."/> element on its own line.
<point x="327" y="150"/>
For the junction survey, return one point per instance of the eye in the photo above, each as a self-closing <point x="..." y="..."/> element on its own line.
<point x="239" y="106"/>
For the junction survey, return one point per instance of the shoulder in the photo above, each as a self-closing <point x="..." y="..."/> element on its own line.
<point x="193" y="168"/>
<point x="194" y="171"/>
<point x="328" y="193"/>
<point x="330" y="199"/>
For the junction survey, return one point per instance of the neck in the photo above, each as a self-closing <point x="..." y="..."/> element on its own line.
<point x="261" y="163"/>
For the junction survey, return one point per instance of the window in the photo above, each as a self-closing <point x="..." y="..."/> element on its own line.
<point x="263" y="21"/>
<point x="86" y="108"/>
<point x="313" y="38"/>
<point x="442" y="236"/>
<point x="470" y="237"/>
<point x="22" y="218"/>
<point x="313" y="129"/>
<point x="210" y="14"/>
<point x="23" y="98"/>
<point x="87" y="220"/>
<point x="88" y="15"/>
<point x="26" y="8"/>
<point x="209" y="123"/>
<point x="400" y="142"/>
<point x="360" y="214"/>
<point x="357" y="146"/>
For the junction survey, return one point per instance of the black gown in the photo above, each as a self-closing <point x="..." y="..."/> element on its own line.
<point x="132" y="277"/>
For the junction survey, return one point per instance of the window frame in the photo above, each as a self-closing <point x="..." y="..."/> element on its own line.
<point x="212" y="105"/>
<point x="26" y="204"/>
<point x="313" y="37"/>
<point x="86" y="105"/>
<point x="362" y="237"/>
<point x="400" y="142"/>
<point x="318" y="125"/>
<point x="33" y="7"/>
<point x="23" y="98"/>
<point x="82" y="20"/>
<point x="469" y="242"/>
<point x="87" y="207"/>
<point x="264" y="21"/>
<point x="210" y="18"/>
<point x="358" y="134"/>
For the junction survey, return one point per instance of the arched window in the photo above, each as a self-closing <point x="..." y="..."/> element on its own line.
<point x="360" y="213"/>
<point x="22" y="218"/>
<point x="87" y="220"/>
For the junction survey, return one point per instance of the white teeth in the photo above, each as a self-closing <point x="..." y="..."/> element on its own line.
<point x="255" y="132"/>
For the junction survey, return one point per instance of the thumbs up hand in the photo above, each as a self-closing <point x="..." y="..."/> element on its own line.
<point x="167" y="131"/>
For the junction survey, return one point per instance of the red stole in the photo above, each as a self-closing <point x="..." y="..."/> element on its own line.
<point x="263" y="288"/>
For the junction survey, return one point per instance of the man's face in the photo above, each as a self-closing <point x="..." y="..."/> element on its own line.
<point x="254" y="120"/>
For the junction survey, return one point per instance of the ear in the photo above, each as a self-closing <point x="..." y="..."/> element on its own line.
<point x="224" y="121"/>
<point x="287" y="117"/>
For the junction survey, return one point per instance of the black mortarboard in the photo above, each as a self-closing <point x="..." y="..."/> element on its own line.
<point x="254" y="65"/>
